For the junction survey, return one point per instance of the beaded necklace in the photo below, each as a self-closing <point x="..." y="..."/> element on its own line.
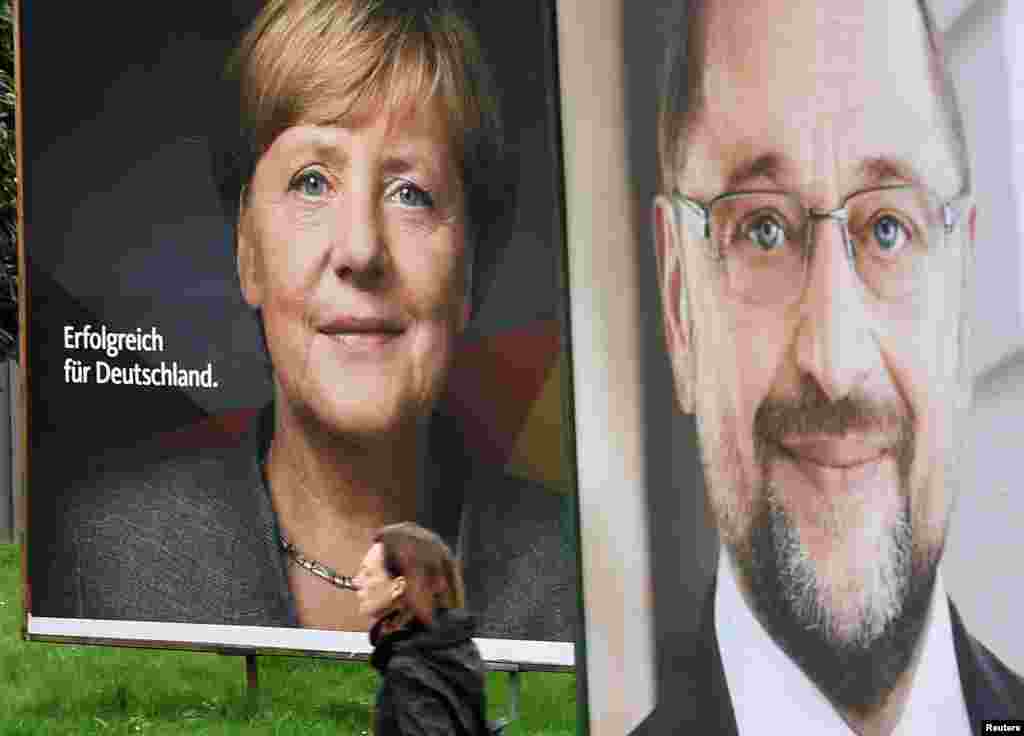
<point x="316" y="567"/>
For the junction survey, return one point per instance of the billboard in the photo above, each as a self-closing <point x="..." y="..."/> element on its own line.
<point x="698" y="619"/>
<point x="208" y="439"/>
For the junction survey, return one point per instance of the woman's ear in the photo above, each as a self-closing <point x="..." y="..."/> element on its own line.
<point x="397" y="588"/>
<point x="250" y="268"/>
<point x="674" y="300"/>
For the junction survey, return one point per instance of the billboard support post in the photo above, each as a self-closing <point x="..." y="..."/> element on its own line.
<point x="252" y="690"/>
<point x="251" y="674"/>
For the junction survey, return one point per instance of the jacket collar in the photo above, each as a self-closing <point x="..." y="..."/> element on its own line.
<point x="695" y="691"/>
<point x="991" y="690"/>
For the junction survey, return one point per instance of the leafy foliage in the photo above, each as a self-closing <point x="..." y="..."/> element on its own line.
<point x="8" y="188"/>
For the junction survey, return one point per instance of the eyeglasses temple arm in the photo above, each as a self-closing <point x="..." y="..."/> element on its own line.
<point x="698" y="209"/>
<point x="953" y="210"/>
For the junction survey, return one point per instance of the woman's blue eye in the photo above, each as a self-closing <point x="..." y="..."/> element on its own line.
<point x="889" y="233"/>
<point x="411" y="195"/>
<point x="311" y="184"/>
<point x="766" y="233"/>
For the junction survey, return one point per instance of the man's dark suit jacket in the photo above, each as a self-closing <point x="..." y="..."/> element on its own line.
<point x="697" y="699"/>
<point x="193" y="538"/>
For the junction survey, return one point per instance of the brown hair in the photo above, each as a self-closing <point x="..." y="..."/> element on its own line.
<point x="683" y="84"/>
<point x="433" y="576"/>
<point x="322" y="61"/>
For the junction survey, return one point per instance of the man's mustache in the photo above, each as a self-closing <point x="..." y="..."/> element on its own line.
<point x="811" y="412"/>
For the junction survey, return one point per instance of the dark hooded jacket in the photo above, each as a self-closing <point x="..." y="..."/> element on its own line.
<point x="433" y="679"/>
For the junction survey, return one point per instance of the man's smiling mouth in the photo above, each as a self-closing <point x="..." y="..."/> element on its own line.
<point x="830" y="451"/>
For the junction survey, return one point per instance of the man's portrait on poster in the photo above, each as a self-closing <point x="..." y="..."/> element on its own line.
<point x="364" y="171"/>
<point x="815" y="233"/>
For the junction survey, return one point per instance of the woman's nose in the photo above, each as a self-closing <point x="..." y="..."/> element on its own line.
<point x="359" y="246"/>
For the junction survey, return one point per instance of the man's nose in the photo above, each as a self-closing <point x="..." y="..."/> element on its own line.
<point x="835" y="345"/>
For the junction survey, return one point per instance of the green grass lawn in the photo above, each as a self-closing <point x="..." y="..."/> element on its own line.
<point x="65" y="689"/>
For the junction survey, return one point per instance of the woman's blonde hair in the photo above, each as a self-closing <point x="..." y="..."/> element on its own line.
<point x="433" y="577"/>
<point x="326" y="61"/>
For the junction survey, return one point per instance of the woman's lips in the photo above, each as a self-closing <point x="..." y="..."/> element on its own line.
<point x="364" y="332"/>
<point x="365" y="339"/>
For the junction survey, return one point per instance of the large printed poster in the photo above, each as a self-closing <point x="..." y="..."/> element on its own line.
<point x="834" y="392"/>
<point x="234" y="319"/>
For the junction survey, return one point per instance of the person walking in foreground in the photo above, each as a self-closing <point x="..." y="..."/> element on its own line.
<point x="410" y="586"/>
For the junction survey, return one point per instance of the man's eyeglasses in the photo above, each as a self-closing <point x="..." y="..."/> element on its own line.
<point x="763" y="240"/>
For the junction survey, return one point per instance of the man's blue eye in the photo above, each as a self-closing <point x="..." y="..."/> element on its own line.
<point x="889" y="233"/>
<point x="766" y="233"/>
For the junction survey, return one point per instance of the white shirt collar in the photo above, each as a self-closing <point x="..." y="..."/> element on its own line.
<point x="767" y="687"/>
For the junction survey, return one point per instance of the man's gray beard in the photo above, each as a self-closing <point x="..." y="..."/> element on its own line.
<point x="858" y="666"/>
<point x="856" y="660"/>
